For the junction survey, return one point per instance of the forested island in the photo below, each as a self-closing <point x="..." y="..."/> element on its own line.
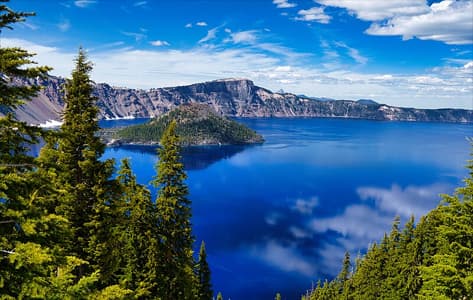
<point x="196" y="124"/>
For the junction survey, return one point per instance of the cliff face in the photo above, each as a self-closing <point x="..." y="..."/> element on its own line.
<point x="230" y="97"/>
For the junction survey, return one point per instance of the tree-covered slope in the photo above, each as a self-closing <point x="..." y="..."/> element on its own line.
<point x="430" y="260"/>
<point x="197" y="124"/>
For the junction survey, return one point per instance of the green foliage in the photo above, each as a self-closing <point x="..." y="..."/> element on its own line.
<point x="83" y="181"/>
<point x="196" y="124"/>
<point x="177" y="280"/>
<point x="433" y="260"/>
<point x="203" y="275"/>
<point x="68" y="230"/>
<point x="136" y="235"/>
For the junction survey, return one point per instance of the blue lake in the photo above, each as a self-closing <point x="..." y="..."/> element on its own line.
<point x="278" y="216"/>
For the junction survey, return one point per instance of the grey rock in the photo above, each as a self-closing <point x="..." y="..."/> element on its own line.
<point x="229" y="97"/>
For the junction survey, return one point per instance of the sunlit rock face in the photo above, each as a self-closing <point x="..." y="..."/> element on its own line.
<point x="230" y="97"/>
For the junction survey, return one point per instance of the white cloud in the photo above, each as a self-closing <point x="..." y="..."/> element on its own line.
<point x="468" y="66"/>
<point x="268" y="65"/>
<point x="188" y="25"/>
<point x="211" y="34"/>
<point x="449" y="21"/>
<point x="64" y="26"/>
<point x="314" y="14"/>
<point x="140" y="3"/>
<point x="284" y="4"/>
<point x="159" y="43"/>
<point x="228" y="30"/>
<point x="243" y="37"/>
<point x="374" y="10"/>
<point x="201" y="23"/>
<point x="84" y="3"/>
<point x="138" y="36"/>
<point x="283" y="69"/>
<point x="62" y="62"/>
<point x="284" y="257"/>
<point x="353" y="53"/>
<point x="305" y="206"/>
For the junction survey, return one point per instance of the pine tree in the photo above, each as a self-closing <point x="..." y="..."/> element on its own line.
<point x="278" y="296"/>
<point x="33" y="263"/>
<point x="203" y="275"/>
<point x="15" y="137"/>
<point x="176" y="278"/>
<point x="88" y="193"/>
<point x="136" y="236"/>
<point x="219" y="296"/>
<point x="433" y="260"/>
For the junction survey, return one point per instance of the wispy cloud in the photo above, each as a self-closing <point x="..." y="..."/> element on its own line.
<point x="84" y="3"/>
<point x="314" y="14"/>
<point x="243" y="37"/>
<point x="269" y="65"/>
<point x="353" y="53"/>
<point x="188" y="25"/>
<point x="211" y="34"/>
<point x="284" y="4"/>
<point x="201" y="23"/>
<point x="29" y="25"/>
<point x="138" y="36"/>
<point x="107" y="46"/>
<point x="64" y="26"/>
<point x="140" y="3"/>
<point x="159" y="43"/>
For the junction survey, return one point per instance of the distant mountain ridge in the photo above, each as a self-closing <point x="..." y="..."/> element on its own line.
<point x="230" y="97"/>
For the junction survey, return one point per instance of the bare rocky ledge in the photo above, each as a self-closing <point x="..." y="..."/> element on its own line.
<point x="229" y="97"/>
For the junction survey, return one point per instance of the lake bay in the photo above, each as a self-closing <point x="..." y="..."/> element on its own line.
<point x="278" y="216"/>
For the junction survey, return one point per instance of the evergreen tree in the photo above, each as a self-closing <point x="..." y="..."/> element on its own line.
<point x="219" y="296"/>
<point x="176" y="274"/>
<point x="433" y="260"/>
<point x="203" y="275"/>
<point x="136" y="237"/>
<point x="33" y="263"/>
<point x="88" y="193"/>
<point x="278" y="296"/>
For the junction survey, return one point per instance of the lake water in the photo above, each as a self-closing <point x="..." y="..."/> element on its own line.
<point x="278" y="216"/>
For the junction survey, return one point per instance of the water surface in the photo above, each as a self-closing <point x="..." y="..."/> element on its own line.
<point x="275" y="217"/>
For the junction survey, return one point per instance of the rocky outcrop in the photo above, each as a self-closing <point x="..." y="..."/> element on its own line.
<point x="229" y="97"/>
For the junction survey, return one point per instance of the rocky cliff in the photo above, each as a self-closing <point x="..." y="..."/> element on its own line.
<point x="230" y="97"/>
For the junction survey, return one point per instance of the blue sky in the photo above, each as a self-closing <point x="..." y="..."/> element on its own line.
<point x="401" y="52"/>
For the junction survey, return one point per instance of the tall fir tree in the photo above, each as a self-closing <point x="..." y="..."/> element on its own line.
<point x="87" y="188"/>
<point x="136" y="236"/>
<point x="203" y="275"/>
<point x="33" y="263"/>
<point x="173" y="208"/>
<point x="432" y="260"/>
